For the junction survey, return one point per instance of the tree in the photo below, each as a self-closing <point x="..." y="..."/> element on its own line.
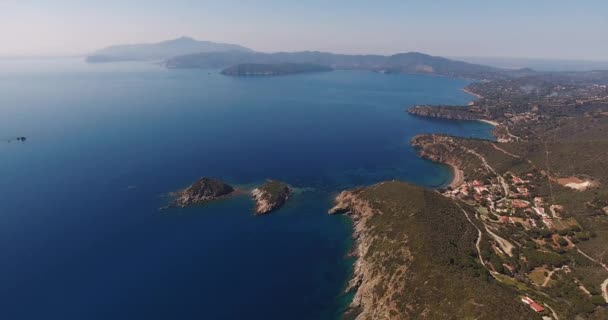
<point x="598" y="300"/>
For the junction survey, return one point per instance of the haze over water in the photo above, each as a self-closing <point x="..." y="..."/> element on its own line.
<point x="81" y="235"/>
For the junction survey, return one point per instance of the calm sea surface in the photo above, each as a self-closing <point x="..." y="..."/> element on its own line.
<point x="81" y="236"/>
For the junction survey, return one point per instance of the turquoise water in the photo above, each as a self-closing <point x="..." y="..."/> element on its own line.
<point x="80" y="232"/>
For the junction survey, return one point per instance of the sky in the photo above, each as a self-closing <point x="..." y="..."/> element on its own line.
<point x="555" y="29"/>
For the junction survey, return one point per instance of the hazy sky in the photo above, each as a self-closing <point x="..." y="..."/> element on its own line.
<point x="532" y="28"/>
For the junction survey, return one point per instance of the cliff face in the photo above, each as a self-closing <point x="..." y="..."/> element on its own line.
<point x="270" y="196"/>
<point x="205" y="189"/>
<point x="416" y="259"/>
<point x="368" y="276"/>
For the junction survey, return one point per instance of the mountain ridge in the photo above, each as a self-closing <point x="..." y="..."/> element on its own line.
<point x="160" y="50"/>
<point x="410" y="62"/>
<point x="187" y="52"/>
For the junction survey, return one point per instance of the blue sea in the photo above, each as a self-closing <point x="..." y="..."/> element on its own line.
<point x="81" y="234"/>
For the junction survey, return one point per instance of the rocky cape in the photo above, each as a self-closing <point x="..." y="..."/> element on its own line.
<point x="270" y="196"/>
<point x="438" y="148"/>
<point x="416" y="258"/>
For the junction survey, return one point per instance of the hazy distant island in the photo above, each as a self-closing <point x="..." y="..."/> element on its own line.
<point x="186" y="52"/>
<point x="160" y="51"/>
<point x="203" y="190"/>
<point x="411" y="62"/>
<point x="276" y="69"/>
<point x="271" y="196"/>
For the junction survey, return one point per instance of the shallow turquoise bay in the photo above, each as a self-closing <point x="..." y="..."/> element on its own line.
<point x="80" y="232"/>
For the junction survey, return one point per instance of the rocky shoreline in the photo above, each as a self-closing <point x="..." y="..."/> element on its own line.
<point x="423" y="144"/>
<point x="415" y="251"/>
<point x="203" y="190"/>
<point x="364" y="304"/>
<point x="270" y="196"/>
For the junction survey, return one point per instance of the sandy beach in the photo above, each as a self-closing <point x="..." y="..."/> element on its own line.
<point x="494" y="123"/>
<point x="458" y="177"/>
<point x="476" y="95"/>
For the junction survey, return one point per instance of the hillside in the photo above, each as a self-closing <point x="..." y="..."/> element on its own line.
<point x="411" y="62"/>
<point x="160" y="51"/>
<point x="547" y="198"/>
<point x="256" y="69"/>
<point x="417" y="258"/>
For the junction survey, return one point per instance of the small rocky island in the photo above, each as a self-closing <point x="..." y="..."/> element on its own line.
<point x="270" y="196"/>
<point x="204" y="190"/>
<point x="19" y="139"/>
<point x="275" y="69"/>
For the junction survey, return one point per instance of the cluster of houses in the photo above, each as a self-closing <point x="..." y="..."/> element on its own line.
<point x="491" y="195"/>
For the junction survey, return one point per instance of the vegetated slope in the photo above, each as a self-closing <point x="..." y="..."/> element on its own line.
<point x="258" y="69"/>
<point x="575" y="147"/>
<point x="418" y="260"/>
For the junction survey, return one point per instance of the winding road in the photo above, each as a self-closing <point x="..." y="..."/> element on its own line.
<point x="605" y="283"/>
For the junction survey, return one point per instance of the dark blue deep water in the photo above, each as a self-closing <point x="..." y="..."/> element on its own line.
<point x="81" y="236"/>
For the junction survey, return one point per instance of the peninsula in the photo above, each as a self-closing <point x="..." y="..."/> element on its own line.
<point x="417" y="258"/>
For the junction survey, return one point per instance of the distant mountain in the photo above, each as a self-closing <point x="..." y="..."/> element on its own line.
<point x="538" y="64"/>
<point x="160" y="51"/>
<point x="257" y="69"/>
<point x="412" y="62"/>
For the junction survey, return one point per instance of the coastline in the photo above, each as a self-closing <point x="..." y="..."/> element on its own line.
<point x="490" y="122"/>
<point x="362" y="279"/>
<point x="457" y="176"/>
<point x="476" y="95"/>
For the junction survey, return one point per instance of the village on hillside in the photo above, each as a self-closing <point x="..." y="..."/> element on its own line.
<point x="530" y="233"/>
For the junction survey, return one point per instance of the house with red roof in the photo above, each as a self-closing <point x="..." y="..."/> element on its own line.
<point x="535" y="306"/>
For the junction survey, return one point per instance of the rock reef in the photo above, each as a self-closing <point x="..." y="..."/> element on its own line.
<point x="270" y="196"/>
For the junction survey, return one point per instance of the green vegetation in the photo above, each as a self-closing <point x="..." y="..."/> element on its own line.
<point x="275" y="190"/>
<point x="553" y="138"/>
<point x="255" y="69"/>
<point x="411" y="62"/>
<point x="424" y="242"/>
<point x="270" y="196"/>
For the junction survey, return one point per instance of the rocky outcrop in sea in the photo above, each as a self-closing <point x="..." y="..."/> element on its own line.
<point x="203" y="190"/>
<point x="270" y="196"/>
